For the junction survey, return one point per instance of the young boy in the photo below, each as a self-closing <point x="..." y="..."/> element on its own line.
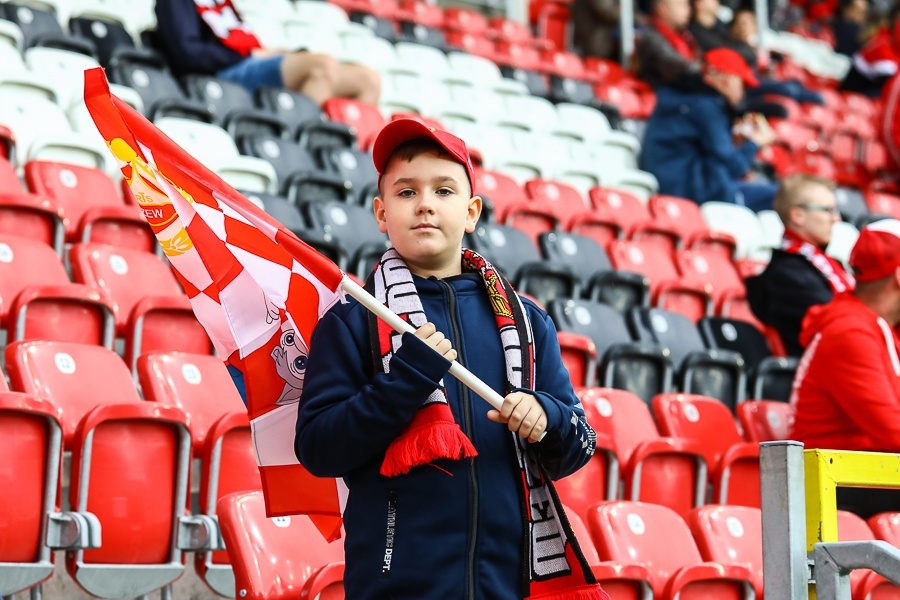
<point x="457" y="527"/>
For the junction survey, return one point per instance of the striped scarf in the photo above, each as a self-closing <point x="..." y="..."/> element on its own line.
<point x="556" y="566"/>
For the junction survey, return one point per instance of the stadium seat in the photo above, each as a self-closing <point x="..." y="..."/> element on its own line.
<point x="201" y="386"/>
<point x="40" y="27"/>
<point x="584" y="257"/>
<point x="886" y="526"/>
<point x="704" y="266"/>
<point x="273" y="559"/>
<point x="737" y="336"/>
<point x="91" y="204"/>
<point x="564" y="200"/>
<point x="654" y="469"/>
<point x="733" y="463"/>
<point x="125" y="278"/>
<point x="31" y="437"/>
<point x="356" y="169"/>
<point x="353" y="228"/>
<point x="27" y="215"/>
<point x="595" y="482"/>
<point x="136" y="501"/>
<point x="160" y="324"/>
<point x="305" y="118"/>
<point x="631" y="532"/>
<point x="521" y="62"/>
<point x="280" y="209"/>
<point x="363" y="118"/>
<point x="579" y="356"/>
<point x="231" y="104"/>
<point x="764" y="420"/>
<point x="643" y="369"/>
<point x="625" y="207"/>
<point x="737" y="221"/>
<point x="774" y="378"/>
<point x="110" y="37"/>
<point x="680" y="215"/>
<point x="843" y="238"/>
<point x="730" y="535"/>
<point x="37" y="300"/>
<point x="716" y="373"/>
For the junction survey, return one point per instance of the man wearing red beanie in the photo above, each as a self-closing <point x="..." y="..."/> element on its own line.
<point x="847" y="388"/>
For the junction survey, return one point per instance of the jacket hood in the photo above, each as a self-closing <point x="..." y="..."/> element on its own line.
<point x="821" y="316"/>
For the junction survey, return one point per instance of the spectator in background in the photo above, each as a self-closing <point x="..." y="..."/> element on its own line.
<point x="877" y="61"/>
<point x="596" y="27"/>
<point x="800" y="274"/>
<point x="689" y="145"/>
<point x="847" y="388"/>
<point x="666" y="53"/>
<point x="208" y="37"/>
<point x="848" y="26"/>
<point x="710" y="32"/>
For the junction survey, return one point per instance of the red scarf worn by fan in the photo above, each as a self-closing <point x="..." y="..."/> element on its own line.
<point x="831" y="269"/>
<point x="222" y="18"/>
<point x="556" y="566"/>
<point x="682" y="41"/>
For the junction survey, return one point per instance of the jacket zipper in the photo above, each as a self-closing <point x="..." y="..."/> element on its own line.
<point x="467" y="429"/>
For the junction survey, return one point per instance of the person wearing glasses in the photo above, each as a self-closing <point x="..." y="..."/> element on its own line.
<point x="800" y="274"/>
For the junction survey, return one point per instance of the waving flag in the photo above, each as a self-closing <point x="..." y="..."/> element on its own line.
<point x="254" y="286"/>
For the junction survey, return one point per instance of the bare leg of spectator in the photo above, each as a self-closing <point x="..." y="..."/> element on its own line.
<point x="313" y="74"/>
<point x="359" y="82"/>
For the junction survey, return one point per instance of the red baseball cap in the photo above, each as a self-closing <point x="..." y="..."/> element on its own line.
<point x="876" y="254"/>
<point x="727" y="60"/>
<point x="403" y="130"/>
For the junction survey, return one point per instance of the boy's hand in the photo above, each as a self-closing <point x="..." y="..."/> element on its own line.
<point x="429" y="334"/>
<point x="523" y="414"/>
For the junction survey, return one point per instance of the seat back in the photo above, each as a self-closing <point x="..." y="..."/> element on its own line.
<point x="564" y="200"/>
<point x="707" y="267"/>
<point x="886" y="526"/>
<point x="74" y="188"/>
<point x="704" y="420"/>
<point x="285" y="156"/>
<point x="364" y="118"/>
<point x="730" y="535"/>
<point x="764" y="420"/>
<point x="108" y="36"/>
<point x="290" y="106"/>
<point x="122" y="276"/>
<point x="625" y="207"/>
<point x="75" y="377"/>
<point x="31" y="439"/>
<point x="355" y="168"/>
<point x="25" y="262"/>
<point x="505" y="247"/>
<point x="647" y="258"/>
<point x="597" y="321"/>
<point x="584" y="256"/>
<point x="634" y="532"/>
<point x="775" y="378"/>
<point x="353" y="226"/>
<point x="668" y="329"/>
<point x="677" y="214"/>
<point x="274" y="558"/>
<point x="220" y="95"/>
<point x="735" y="335"/>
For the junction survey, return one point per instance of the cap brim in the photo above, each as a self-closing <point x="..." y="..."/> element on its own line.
<point x="396" y="133"/>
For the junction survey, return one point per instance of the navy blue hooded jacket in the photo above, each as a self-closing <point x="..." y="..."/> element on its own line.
<point x="188" y="43"/>
<point x="688" y="146"/>
<point x="454" y="529"/>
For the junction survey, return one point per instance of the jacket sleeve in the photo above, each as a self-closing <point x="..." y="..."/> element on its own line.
<point x="570" y="441"/>
<point x="347" y="415"/>
<point x="715" y="136"/>
<point x="181" y="33"/>
<point x="864" y="386"/>
<point x="658" y="63"/>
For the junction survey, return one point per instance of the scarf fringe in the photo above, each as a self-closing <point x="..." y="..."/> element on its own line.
<point x="581" y="592"/>
<point x="432" y="435"/>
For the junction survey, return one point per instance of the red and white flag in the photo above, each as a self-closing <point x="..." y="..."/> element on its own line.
<point x="254" y="286"/>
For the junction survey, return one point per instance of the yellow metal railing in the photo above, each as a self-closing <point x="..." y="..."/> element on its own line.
<point x="825" y="470"/>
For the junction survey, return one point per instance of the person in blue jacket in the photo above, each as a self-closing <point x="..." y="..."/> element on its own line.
<point x="208" y="37"/>
<point x="691" y="146"/>
<point x="451" y="527"/>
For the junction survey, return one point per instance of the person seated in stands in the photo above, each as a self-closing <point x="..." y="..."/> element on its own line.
<point x="208" y="37"/>
<point x="848" y="26"/>
<point x="666" y="53"/>
<point x="710" y="32"/>
<point x="596" y="27"/>
<point x="800" y="274"/>
<point x="878" y="59"/>
<point x="689" y="145"/>
<point x="847" y="388"/>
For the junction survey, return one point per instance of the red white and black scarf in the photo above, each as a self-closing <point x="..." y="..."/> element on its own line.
<point x="557" y="568"/>
<point x="222" y="18"/>
<point x="831" y="269"/>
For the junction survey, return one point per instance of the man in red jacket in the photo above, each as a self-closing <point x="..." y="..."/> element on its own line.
<point x="847" y="389"/>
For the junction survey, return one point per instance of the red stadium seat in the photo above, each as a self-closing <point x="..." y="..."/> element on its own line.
<point x="164" y="324"/>
<point x="472" y="43"/>
<point x="884" y="203"/>
<point x="730" y="535"/>
<point x="123" y="277"/>
<point x="201" y="386"/>
<point x="621" y="205"/>
<point x="657" y="538"/>
<point x="579" y="355"/>
<point x="733" y="463"/>
<point x="130" y="464"/>
<point x="764" y="420"/>
<point x="280" y="558"/>
<point x="91" y="204"/>
<point x="623" y="97"/>
<point x="676" y="214"/>
<point x="28" y="215"/>
<point x="423" y="13"/>
<point x="708" y="267"/>
<point x="31" y="441"/>
<point x="886" y="526"/>
<point x="37" y="300"/>
<point x="562" y="199"/>
<point x="7" y="144"/>
<point x="509" y="30"/>
<point x="654" y="469"/>
<point x="362" y="117"/>
<point x="465" y="20"/>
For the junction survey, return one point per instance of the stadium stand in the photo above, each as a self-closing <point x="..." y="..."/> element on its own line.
<point x="554" y="140"/>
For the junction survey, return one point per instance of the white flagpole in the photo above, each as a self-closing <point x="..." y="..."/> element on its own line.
<point x="389" y="317"/>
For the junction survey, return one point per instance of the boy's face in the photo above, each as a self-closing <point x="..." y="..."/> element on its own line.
<point x="425" y="208"/>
